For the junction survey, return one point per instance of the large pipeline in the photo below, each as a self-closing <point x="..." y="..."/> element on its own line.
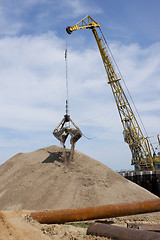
<point x="100" y="212"/>
<point x="120" y="233"/>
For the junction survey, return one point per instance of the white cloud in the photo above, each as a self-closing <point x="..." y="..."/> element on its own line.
<point x="32" y="78"/>
<point x="139" y="65"/>
<point x="38" y="16"/>
<point x="82" y="8"/>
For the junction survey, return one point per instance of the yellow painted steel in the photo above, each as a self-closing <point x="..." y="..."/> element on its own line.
<point x="143" y="157"/>
<point x="85" y="23"/>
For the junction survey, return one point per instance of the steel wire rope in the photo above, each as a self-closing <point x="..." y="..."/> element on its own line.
<point x="98" y="116"/>
<point x="101" y="133"/>
<point x="67" y="88"/>
<point x="124" y="83"/>
<point x="67" y="84"/>
<point x="91" y="138"/>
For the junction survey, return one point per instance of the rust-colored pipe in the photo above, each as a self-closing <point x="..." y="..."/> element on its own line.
<point x="100" y="212"/>
<point x="120" y="233"/>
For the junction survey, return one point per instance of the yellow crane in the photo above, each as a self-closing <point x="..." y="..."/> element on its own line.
<point x="143" y="154"/>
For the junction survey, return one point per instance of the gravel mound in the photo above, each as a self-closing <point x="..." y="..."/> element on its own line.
<point x="40" y="180"/>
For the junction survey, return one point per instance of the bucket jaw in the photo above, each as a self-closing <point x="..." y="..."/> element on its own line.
<point x="61" y="132"/>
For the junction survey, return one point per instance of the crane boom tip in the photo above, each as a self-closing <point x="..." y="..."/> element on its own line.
<point x="68" y="30"/>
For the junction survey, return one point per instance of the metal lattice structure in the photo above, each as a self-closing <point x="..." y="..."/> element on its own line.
<point x="143" y="157"/>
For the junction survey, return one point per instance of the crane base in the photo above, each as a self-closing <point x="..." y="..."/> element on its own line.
<point x="149" y="180"/>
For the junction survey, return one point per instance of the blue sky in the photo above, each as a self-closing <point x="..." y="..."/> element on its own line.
<point x="32" y="73"/>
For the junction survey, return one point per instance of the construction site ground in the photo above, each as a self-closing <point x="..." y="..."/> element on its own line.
<point x="17" y="225"/>
<point x="41" y="180"/>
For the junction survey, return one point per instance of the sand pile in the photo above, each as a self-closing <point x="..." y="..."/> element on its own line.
<point x="40" y="180"/>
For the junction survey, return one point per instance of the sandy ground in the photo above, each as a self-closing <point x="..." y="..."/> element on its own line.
<point x="17" y="225"/>
<point x="13" y="226"/>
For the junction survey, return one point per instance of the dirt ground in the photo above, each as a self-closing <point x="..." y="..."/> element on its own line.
<point x="17" y="225"/>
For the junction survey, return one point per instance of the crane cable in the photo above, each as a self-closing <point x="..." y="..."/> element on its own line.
<point x="94" y="137"/>
<point x="67" y="89"/>
<point x="67" y="86"/>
